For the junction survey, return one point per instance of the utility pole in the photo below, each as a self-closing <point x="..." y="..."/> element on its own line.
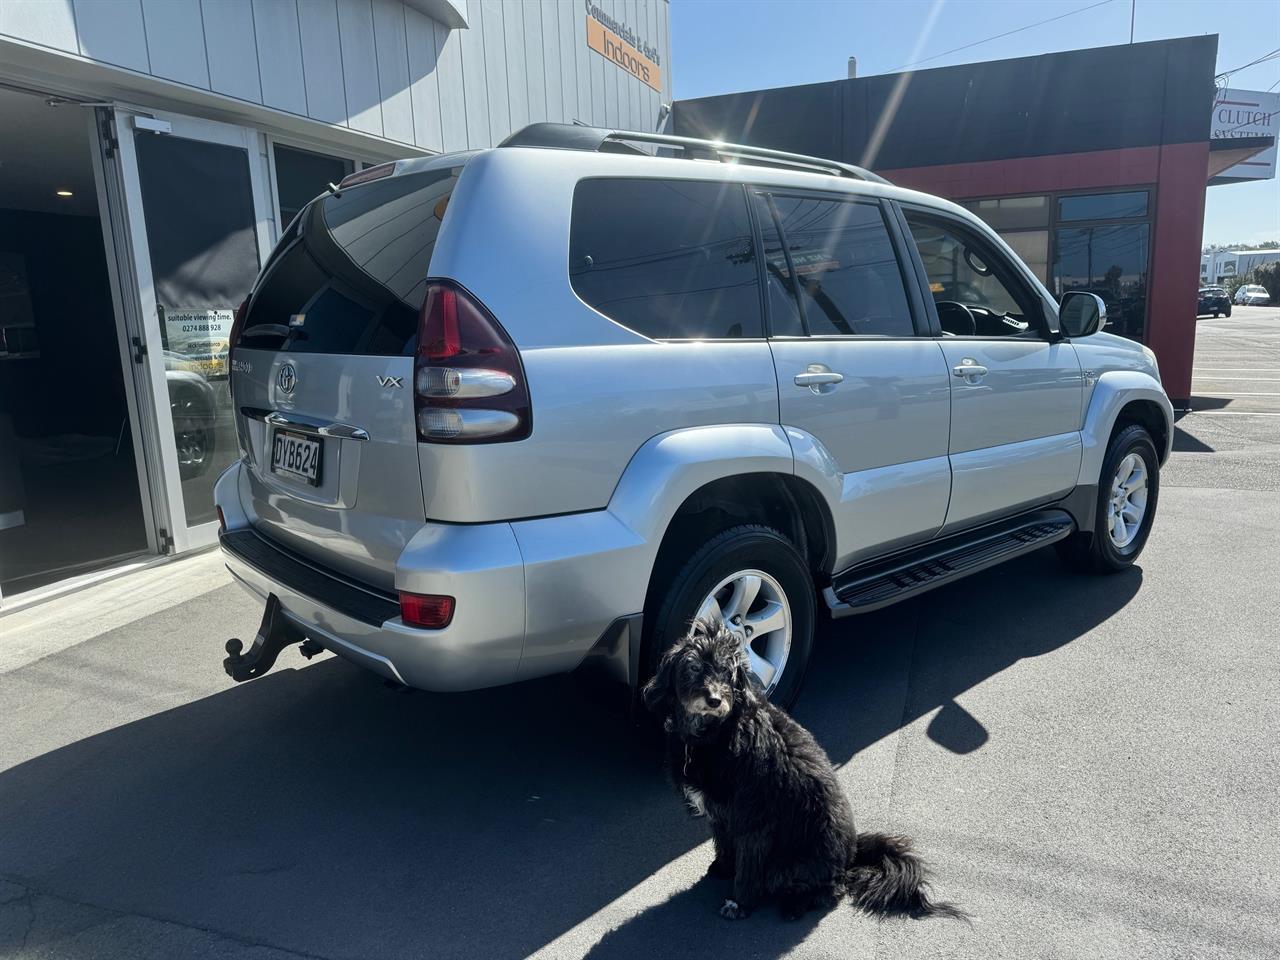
<point x="1133" y="13"/>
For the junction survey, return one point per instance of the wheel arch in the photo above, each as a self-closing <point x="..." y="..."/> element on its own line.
<point x="1147" y="414"/>
<point x="786" y="503"/>
<point x="1119" y="398"/>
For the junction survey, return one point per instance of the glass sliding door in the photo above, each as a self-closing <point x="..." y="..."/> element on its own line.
<point x="199" y="222"/>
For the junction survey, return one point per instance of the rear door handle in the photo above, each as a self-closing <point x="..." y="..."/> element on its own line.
<point x="970" y="371"/>
<point x="818" y="375"/>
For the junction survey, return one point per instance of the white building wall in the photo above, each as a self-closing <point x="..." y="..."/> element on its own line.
<point x="381" y="67"/>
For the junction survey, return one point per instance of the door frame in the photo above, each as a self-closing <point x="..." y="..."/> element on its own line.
<point x="117" y="242"/>
<point x="174" y="534"/>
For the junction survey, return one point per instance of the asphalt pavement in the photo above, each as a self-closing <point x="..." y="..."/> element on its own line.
<point x="1089" y="764"/>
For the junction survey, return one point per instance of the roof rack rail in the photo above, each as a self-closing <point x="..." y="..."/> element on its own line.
<point x="564" y="136"/>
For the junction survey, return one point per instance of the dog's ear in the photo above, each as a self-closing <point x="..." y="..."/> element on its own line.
<point x="702" y="627"/>
<point x="661" y="686"/>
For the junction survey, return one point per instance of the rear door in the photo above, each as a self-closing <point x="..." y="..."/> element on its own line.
<point x="1016" y="394"/>
<point x="323" y="374"/>
<point x="853" y="367"/>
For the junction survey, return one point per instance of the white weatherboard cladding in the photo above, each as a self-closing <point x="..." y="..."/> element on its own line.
<point x="382" y="67"/>
<point x="280" y="55"/>
<point x="182" y="57"/>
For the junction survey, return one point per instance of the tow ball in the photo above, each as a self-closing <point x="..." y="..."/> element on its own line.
<point x="275" y="632"/>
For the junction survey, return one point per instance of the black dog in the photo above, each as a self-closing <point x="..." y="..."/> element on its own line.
<point x="781" y="824"/>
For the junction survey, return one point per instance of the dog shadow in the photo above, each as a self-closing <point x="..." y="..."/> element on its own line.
<point x="316" y="810"/>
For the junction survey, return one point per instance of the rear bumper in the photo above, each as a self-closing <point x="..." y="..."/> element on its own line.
<point x="481" y="647"/>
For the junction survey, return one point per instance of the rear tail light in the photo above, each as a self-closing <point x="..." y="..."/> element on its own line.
<point x="429" y="610"/>
<point x="367" y="174"/>
<point x="469" y="385"/>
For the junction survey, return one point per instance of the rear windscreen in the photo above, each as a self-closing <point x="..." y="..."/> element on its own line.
<point x="350" y="274"/>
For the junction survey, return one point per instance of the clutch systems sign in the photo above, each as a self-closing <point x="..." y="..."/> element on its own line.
<point x="618" y="42"/>
<point x="1247" y="113"/>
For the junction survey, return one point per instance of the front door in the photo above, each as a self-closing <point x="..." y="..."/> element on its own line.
<point x="1015" y="395"/>
<point x="196" y="205"/>
<point x="853" y="373"/>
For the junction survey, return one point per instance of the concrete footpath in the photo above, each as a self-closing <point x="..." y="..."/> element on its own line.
<point x="1089" y="764"/>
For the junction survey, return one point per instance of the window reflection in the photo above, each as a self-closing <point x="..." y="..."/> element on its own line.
<point x="1111" y="261"/>
<point x="1103" y="206"/>
<point x="846" y="270"/>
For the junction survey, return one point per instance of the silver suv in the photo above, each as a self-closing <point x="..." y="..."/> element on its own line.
<point x="515" y="412"/>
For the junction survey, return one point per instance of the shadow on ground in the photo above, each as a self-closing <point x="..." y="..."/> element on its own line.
<point x="317" y="811"/>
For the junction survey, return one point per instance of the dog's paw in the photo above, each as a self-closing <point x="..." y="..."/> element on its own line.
<point x="731" y="911"/>
<point x="720" y="868"/>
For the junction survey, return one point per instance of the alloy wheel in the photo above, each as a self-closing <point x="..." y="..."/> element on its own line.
<point x="753" y="605"/>
<point x="1128" y="502"/>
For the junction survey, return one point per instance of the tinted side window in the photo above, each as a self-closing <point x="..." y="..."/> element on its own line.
<point x="847" y="275"/>
<point x="784" y="299"/>
<point x="669" y="259"/>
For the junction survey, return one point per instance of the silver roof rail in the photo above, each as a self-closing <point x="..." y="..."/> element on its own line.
<point x="563" y="136"/>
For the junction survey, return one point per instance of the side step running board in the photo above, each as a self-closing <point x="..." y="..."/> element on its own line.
<point x="883" y="582"/>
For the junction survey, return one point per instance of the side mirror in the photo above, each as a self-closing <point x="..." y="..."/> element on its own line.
<point x="1081" y="314"/>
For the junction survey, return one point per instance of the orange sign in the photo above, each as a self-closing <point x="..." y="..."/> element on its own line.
<point x="607" y="43"/>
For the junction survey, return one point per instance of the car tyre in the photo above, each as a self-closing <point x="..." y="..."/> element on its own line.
<point x="1128" y="489"/>
<point x="748" y="550"/>
<point x="1227" y="313"/>
<point x="192" y="434"/>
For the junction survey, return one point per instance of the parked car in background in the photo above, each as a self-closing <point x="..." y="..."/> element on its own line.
<point x="1215" y="301"/>
<point x="1253" y="295"/>
<point x="515" y="412"/>
<point x="194" y="407"/>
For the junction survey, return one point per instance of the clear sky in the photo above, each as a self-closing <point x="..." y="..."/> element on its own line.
<point x="724" y="46"/>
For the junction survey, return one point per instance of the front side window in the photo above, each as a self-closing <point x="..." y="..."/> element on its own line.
<point x="669" y="259"/>
<point x="975" y="290"/>
<point x="846" y="282"/>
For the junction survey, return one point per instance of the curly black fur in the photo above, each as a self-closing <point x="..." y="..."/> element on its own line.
<point x="781" y="824"/>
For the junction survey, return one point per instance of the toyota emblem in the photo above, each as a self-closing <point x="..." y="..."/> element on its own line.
<point x="287" y="379"/>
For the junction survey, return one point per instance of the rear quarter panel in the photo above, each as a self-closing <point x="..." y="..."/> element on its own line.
<point x="599" y="391"/>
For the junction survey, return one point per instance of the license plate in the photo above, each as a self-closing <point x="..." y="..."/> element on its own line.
<point x="296" y="455"/>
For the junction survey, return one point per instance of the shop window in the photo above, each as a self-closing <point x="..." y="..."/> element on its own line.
<point x="1111" y="261"/>
<point x="847" y="277"/>
<point x="1012" y="213"/>
<point x="1103" y="206"/>
<point x="302" y="176"/>
<point x="669" y="259"/>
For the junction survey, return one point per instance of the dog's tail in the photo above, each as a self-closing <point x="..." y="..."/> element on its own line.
<point x="887" y="877"/>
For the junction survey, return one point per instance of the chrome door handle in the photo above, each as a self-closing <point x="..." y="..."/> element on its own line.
<point x="969" y="370"/>
<point x="818" y="375"/>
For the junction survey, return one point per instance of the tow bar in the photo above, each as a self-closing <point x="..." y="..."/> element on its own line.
<point x="274" y="634"/>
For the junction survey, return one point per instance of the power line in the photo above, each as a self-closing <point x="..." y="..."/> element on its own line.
<point x="1252" y="63"/>
<point x="999" y="36"/>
